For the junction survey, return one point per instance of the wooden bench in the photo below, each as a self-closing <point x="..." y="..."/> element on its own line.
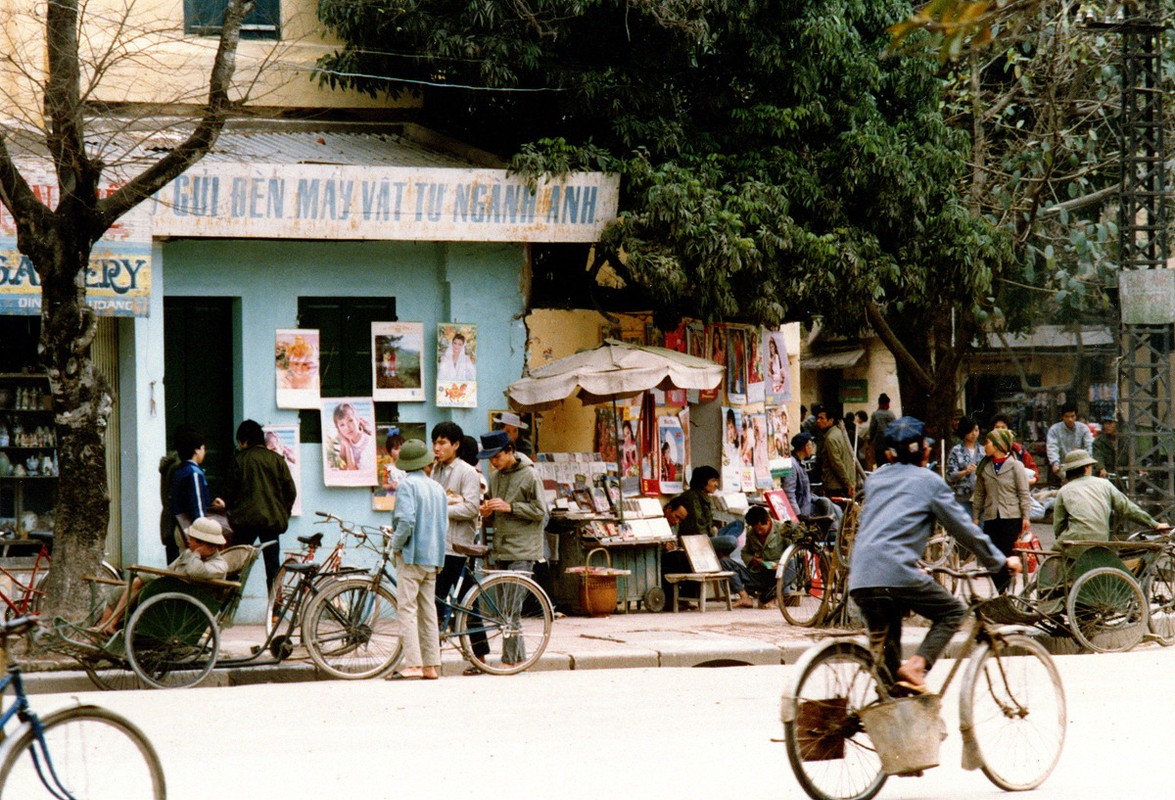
<point x="706" y="571"/>
<point x="719" y="580"/>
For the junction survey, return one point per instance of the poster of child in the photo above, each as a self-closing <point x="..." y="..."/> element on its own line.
<point x="396" y="349"/>
<point x="456" y="366"/>
<point x="296" y="367"/>
<point x="284" y="440"/>
<point x="348" y="441"/>
<point x="388" y="440"/>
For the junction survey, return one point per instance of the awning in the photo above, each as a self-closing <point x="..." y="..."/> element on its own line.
<point x="840" y="360"/>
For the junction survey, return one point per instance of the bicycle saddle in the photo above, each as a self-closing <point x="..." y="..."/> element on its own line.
<point x="311" y="541"/>
<point x="471" y="550"/>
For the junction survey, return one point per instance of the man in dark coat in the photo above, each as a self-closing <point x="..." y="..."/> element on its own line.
<point x="260" y="494"/>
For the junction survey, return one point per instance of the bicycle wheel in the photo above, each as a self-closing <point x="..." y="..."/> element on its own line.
<point x="113" y="677"/>
<point x="1107" y="611"/>
<point x="1012" y="712"/>
<point x="93" y="753"/>
<point x="846" y="537"/>
<point x="830" y="753"/>
<point x="513" y="614"/>
<point x="1159" y="588"/>
<point x="800" y="585"/>
<point x="351" y="630"/>
<point x="172" y="641"/>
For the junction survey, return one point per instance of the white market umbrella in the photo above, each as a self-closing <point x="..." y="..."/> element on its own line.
<point x="612" y="371"/>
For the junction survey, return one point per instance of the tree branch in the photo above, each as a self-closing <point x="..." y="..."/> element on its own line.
<point x="895" y="346"/>
<point x="202" y="138"/>
<point x="1079" y="202"/>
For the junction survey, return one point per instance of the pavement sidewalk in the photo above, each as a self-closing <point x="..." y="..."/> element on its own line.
<point x="639" y="639"/>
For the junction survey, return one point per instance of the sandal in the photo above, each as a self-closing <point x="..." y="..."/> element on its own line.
<point x="907" y="689"/>
<point x="472" y="671"/>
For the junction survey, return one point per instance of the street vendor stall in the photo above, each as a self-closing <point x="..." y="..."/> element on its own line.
<point x="632" y="533"/>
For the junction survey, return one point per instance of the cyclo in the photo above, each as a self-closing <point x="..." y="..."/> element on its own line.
<point x="172" y="637"/>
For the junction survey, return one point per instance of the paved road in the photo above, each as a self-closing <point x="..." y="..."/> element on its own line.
<point x="624" y="733"/>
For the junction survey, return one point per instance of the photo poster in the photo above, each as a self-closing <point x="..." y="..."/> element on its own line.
<point x="732" y="460"/>
<point x="688" y="468"/>
<point x="388" y="440"/>
<point x="397" y="350"/>
<point x="606" y="441"/>
<point x="717" y="349"/>
<point x="348" y="441"/>
<point x="780" y="507"/>
<point x="736" y="366"/>
<point x="776" y="365"/>
<point x="761" y="461"/>
<point x="456" y="365"/>
<point x="695" y="345"/>
<point x="284" y="440"/>
<point x="296" y="352"/>
<point x="629" y="440"/>
<point x="671" y="458"/>
<point x="756" y="384"/>
<point x="778" y="442"/>
<point x="675" y="339"/>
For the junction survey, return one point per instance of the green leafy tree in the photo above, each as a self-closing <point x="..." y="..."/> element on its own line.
<point x="79" y="54"/>
<point x="776" y="166"/>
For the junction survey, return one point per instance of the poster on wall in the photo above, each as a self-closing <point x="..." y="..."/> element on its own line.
<point x="756" y="385"/>
<point x="778" y="442"/>
<point x="695" y="345"/>
<point x="296" y="366"/>
<point x="778" y="374"/>
<point x="717" y="349"/>
<point x="388" y="440"/>
<point x="736" y="366"/>
<point x="456" y="365"/>
<point x="762" y="467"/>
<point x="732" y="459"/>
<point x="671" y="441"/>
<point x="284" y="440"/>
<point x="348" y="441"/>
<point x="687" y="460"/>
<point x="396" y="354"/>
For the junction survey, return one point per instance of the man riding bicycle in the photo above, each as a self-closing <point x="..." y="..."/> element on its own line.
<point x="886" y="580"/>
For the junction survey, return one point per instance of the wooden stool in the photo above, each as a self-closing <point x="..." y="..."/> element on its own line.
<point x="719" y="580"/>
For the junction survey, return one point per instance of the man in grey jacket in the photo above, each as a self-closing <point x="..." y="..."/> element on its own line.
<point x="902" y="501"/>
<point x="515" y="508"/>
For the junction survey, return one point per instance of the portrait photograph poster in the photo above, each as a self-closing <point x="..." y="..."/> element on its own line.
<point x="396" y="353"/>
<point x="761" y="457"/>
<point x="296" y="366"/>
<point x="383" y="496"/>
<point x="756" y="386"/>
<point x="736" y="366"/>
<point x="778" y="375"/>
<point x="778" y="443"/>
<point x="732" y="460"/>
<point x="671" y="458"/>
<point x="348" y="441"/>
<point x="456" y="365"/>
<point x="284" y="440"/>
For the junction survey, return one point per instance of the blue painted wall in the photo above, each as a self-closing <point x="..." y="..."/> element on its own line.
<point x="431" y="282"/>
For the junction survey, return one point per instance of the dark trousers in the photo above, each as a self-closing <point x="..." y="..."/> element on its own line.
<point x="449" y="575"/>
<point x="884" y="607"/>
<point x="247" y="534"/>
<point x="1003" y="534"/>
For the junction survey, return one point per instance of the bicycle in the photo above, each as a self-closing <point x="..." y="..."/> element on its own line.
<point x="509" y="609"/>
<point x="27" y="594"/>
<point x="1011" y="708"/>
<point x="287" y="580"/>
<point x="79" y="753"/>
<point x="811" y="580"/>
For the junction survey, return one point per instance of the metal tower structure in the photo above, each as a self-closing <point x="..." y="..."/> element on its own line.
<point x="1145" y="401"/>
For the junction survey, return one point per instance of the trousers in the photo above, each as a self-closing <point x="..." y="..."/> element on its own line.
<point x="884" y="607"/>
<point x="417" y="612"/>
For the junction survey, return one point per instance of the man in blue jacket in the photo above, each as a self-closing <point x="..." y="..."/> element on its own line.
<point x="419" y="522"/>
<point x="903" y="499"/>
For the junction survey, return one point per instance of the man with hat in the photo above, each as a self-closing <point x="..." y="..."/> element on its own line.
<point x="513" y="425"/>
<point x="1105" y="447"/>
<point x="517" y="511"/>
<point x="799" y="489"/>
<point x="886" y="578"/>
<point x="420" y="521"/>
<point x="201" y="561"/>
<point x="1086" y="505"/>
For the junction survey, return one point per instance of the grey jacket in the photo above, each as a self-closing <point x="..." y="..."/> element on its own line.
<point x="902" y="502"/>
<point x="1002" y="495"/>
<point x="518" y="535"/>
<point x="463" y="492"/>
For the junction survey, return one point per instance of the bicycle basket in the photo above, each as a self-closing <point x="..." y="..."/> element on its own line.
<point x="907" y="732"/>
<point x="821" y="727"/>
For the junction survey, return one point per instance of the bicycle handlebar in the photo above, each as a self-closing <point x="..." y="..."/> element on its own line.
<point x="964" y="574"/>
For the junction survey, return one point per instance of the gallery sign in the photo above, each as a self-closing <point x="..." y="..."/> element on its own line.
<point x="118" y="281"/>
<point x="308" y="201"/>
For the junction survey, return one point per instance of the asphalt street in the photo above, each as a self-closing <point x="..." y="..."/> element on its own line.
<point x="649" y="733"/>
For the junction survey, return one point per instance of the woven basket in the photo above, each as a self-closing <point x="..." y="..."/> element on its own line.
<point x="598" y="594"/>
